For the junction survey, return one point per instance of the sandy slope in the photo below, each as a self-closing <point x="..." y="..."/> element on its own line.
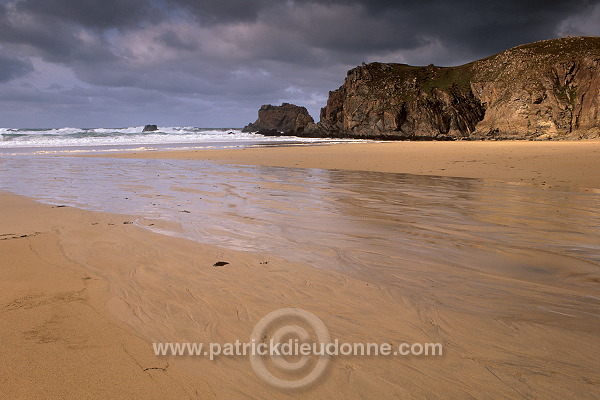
<point x="542" y="163"/>
<point x="83" y="295"/>
<point x="58" y="338"/>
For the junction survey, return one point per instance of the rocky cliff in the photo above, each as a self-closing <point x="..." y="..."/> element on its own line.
<point x="287" y="119"/>
<point x="543" y="90"/>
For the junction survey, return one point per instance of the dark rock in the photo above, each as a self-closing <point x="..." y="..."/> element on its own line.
<point x="286" y="119"/>
<point x="270" y="132"/>
<point x="150" y="128"/>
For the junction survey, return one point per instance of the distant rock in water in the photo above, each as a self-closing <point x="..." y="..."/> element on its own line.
<point x="543" y="90"/>
<point x="286" y="119"/>
<point x="150" y="128"/>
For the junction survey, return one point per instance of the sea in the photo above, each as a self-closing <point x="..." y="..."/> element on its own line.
<point x="99" y="140"/>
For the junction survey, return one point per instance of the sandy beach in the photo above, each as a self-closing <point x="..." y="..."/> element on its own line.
<point x="85" y="294"/>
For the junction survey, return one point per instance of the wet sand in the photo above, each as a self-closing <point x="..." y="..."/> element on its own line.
<point x="565" y="164"/>
<point x="85" y="294"/>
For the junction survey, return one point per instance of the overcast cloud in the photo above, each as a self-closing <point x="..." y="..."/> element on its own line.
<point x="111" y="63"/>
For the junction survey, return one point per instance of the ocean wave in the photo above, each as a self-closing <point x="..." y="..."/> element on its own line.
<point x="126" y="130"/>
<point x="71" y="137"/>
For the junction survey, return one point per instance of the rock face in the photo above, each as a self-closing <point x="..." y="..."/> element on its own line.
<point x="286" y="119"/>
<point x="150" y="128"/>
<point x="543" y="90"/>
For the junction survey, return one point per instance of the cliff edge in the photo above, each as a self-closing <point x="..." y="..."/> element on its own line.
<point x="543" y="90"/>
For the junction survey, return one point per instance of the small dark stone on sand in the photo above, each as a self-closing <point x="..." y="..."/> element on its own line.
<point x="220" y="263"/>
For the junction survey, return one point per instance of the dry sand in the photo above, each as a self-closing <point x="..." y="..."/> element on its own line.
<point x="572" y="164"/>
<point x="83" y="295"/>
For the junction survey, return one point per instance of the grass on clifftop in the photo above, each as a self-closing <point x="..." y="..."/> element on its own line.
<point x="406" y="81"/>
<point x="446" y="79"/>
<point x="564" y="45"/>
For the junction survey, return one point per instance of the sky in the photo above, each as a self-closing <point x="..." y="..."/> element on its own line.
<point x="119" y="63"/>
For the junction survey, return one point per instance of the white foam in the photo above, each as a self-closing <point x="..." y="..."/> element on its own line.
<point x="67" y="140"/>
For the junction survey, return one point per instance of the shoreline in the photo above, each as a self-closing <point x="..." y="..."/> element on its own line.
<point x="550" y="164"/>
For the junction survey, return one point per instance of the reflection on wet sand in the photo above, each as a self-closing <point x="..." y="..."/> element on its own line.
<point x="506" y="276"/>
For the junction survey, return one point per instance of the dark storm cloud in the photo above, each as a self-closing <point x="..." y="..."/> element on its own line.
<point x="49" y="37"/>
<point x="290" y="31"/>
<point x="490" y="27"/>
<point x="13" y="67"/>
<point x="222" y="11"/>
<point x="479" y="27"/>
<point x="226" y="11"/>
<point x="243" y="53"/>
<point x="104" y="14"/>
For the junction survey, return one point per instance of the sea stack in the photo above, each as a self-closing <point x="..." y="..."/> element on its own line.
<point x="286" y="119"/>
<point x="150" y="128"/>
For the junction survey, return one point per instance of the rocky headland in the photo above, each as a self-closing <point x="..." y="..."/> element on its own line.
<point x="543" y="90"/>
